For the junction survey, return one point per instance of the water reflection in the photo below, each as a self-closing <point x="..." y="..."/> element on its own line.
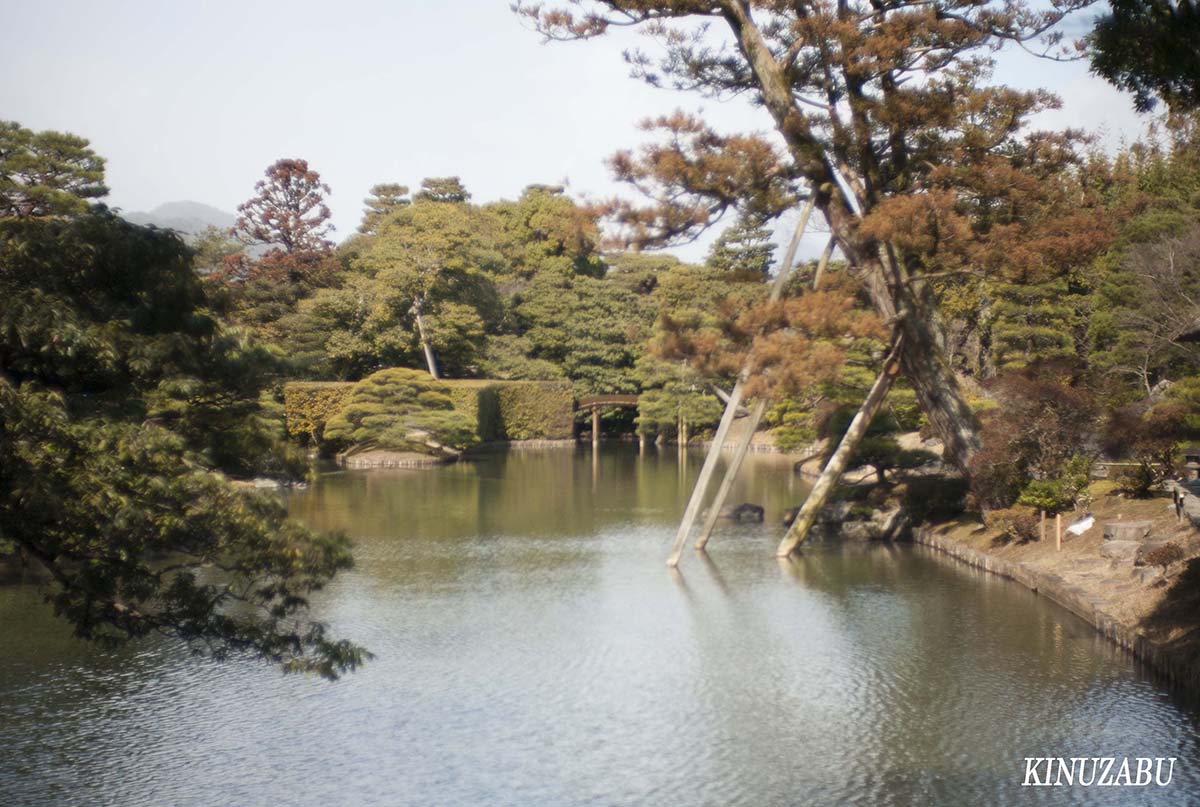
<point x="533" y="649"/>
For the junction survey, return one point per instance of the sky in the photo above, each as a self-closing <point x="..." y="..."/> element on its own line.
<point x="194" y="100"/>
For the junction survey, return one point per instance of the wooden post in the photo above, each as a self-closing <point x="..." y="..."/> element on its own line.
<point x="731" y="472"/>
<point x="735" y="400"/>
<point x="1058" y="532"/>
<point x="706" y="472"/>
<point x="822" y="263"/>
<point x="1042" y="527"/>
<point x="837" y="463"/>
<point x="595" y="427"/>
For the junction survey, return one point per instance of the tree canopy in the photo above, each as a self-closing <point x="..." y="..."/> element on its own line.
<point x="46" y="173"/>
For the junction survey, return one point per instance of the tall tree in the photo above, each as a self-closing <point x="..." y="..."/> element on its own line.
<point x="430" y="258"/>
<point x="288" y="211"/>
<point x="46" y="173"/>
<point x="918" y="166"/>
<point x="385" y="199"/>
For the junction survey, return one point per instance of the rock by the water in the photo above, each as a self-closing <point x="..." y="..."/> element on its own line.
<point x="743" y="512"/>
<point x="881" y="526"/>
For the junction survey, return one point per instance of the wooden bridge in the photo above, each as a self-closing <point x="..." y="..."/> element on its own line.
<point x="594" y="402"/>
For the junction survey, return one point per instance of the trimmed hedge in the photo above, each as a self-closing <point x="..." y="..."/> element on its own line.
<point x="501" y="410"/>
<point x="478" y="400"/>
<point x="517" y="410"/>
<point x="308" y="405"/>
<point x="536" y="410"/>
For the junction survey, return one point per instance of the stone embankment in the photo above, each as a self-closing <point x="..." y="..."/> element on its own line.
<point x="1103" y="577"/>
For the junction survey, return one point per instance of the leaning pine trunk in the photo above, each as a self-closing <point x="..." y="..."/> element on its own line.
<point x="429" y="360"/>
<point x="836" y="466"/>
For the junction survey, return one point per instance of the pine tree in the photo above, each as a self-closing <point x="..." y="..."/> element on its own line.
<point x="744" y="250"/>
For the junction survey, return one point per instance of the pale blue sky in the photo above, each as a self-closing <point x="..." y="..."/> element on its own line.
<point x="194" y="100"/>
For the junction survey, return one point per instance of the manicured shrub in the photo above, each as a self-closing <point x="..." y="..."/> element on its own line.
<point x="404" y="410"/>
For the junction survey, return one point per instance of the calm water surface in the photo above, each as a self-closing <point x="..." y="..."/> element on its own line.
<point x="534" y="650"/>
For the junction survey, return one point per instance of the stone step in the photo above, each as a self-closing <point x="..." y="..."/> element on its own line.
<point x="1120" y="550"/>
<point x="1127" y="530"/>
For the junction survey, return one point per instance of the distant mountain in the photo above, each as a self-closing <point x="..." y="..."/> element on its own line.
<point x="188" y="218"/>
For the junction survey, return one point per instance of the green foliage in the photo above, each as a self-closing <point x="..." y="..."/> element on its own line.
<point x="1137" y="482"/>
<point x="743" y="251"/>
<point x="404" y="410"/>
<point x="671" y="390"/>
<point x="1184" y="395"/>
<point x="905" y="409"/>
<point x="1033" y="322"/>
<point x="46" y="173"/>
<point x="508" y="357"/>
<point x="211" y="247"/>
<point x="591" y="328"/>
<point x="430" y="260"/>
<point x="308" y="406"/>
<point x="792" y="425"/>
<point x="1060" y="492"/>
<point x="546" y="232"/>
<point x="122" y="398"/>
<point x="478" y="400"/>
<point x="101" y="503"/>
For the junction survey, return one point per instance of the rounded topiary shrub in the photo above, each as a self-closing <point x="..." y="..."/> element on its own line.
<point x="402" y="410"/>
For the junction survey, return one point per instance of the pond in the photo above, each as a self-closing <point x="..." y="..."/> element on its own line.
<point x="533" y="649"/>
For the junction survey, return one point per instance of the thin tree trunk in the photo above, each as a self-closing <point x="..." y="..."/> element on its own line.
<point x="836" y="466"/>
<point x="429" y="360"/>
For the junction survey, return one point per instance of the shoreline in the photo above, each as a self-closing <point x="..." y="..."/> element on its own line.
<point x="1175" y="666"/>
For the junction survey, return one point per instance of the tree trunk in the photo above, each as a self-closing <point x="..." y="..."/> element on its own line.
<point x="840" y="198"/>
<point x="429" y="360"/>
<point x="836" y="466"/>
